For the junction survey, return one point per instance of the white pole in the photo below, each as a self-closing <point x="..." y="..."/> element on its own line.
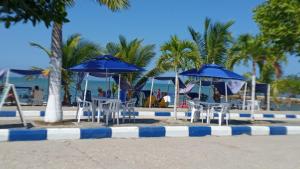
<point x="106" y="83"/>
<point x="268" y="97"/>
<point x="119" y="87"/>
<point x="85" y="88"/>
<point x="226" y="99"/>
<point x="200" y="86"/>
<point x="151" y="91"/>
<point x="175" y="99"/>
<point x="7" y="76"/>
<point x="244" y="98"/>
<point x="253" y="95"/>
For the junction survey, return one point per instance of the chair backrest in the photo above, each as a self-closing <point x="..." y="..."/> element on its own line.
<point x="114" y="105"/>
<point x="194" y="104"/>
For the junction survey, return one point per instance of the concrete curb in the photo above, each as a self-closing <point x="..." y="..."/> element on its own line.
<point x="142" y="132"/>
<point x="152" y="114"/>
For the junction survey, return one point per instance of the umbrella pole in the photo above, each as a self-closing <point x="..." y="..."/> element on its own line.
<point x="200" y="86"/>
<point x="85" y="88"/>
<point x="151" y="91"/>
<point x="244" y="98"/>
<point x="226" y="99"/>
<point x="106" y="83"/>
<point x="119" y="87"/>
<point x="7" y="76"/>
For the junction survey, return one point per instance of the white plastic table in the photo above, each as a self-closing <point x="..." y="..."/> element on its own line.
<point x="208" y="106"/>
<point x="98" y="106"/>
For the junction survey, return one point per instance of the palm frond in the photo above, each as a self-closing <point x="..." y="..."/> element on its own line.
<point x="115" y="5"/>
<point x="47" y="51"/>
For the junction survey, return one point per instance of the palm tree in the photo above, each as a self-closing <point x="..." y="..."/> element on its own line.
<point x="246" y="49"/>
<point x="54" y="109"/>
<point x="178" y="55"/>
<point x="133" y="52"/>
<point x="214" y="41"/>
<point x="74" y="51"/>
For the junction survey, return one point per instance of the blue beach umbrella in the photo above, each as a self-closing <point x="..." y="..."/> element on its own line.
<point x="213" y="71"/>
<point x="105" y="64"/>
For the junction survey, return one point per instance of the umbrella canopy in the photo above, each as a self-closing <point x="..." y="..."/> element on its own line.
<point x="213" y="71"/>
<point x="105" y="63"/>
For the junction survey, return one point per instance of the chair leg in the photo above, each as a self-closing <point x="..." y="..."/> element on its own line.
<point x="208" y="117"/>
<point x="98" y="117"/>
<point x="227" y="118"/>
<point x="76" y="117"/>
<point x="192" y="116"/>
<point x="220" y="118"/>
<point x="118" y="117"/>
<point x="79" y="114"/>
<point x="133" y="118"/>
<point x="106" y="115"/>
<point x="113" y="116"/>
<point x="123" y="117"/>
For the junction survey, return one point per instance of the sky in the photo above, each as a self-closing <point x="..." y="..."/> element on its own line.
<point x="154" y="21"/>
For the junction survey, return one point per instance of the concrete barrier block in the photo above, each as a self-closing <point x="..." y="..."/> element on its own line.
<point x="63" y="133"/>
<point x="293" y="130"/>
<point x="177" y="131"/>
<point x="157" y="131"/>
<point x="220" y="131"/>
<point x="260" y="130"/>
<point x="234" y="115"/>
<point x="4" y="134"/>
<point x="258" y="116"/>
<point x="125" y="132"/>
<point x="279" y="116"/>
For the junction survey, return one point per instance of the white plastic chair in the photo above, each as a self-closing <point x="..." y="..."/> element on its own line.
<point x="84" y="106"/>
<point x="128" y="110"/>
<point x="195" y="108"/>
<point x="111" y="108"/>
<point x="256" y="104"/>
<point x="223" y="112"/>
<point x="98" y="106"/>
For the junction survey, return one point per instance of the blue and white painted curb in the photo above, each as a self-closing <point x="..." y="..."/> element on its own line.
<point x="152" y="114"/>
<point x="142" y="132"/>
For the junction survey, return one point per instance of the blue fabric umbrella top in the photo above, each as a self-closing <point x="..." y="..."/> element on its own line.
<point x="26" y="72"/>
<point x="213" y="71"/>
<point x="106" y="63"/>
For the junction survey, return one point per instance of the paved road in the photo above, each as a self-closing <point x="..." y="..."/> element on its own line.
<point x="256" y="152"/>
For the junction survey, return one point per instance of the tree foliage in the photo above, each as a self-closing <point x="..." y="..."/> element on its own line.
<point x="248" y="48"/>
<point x="214" y="41"/>
<point x="179" y="55"/>
<point x="75" y="50"/>
<point x="289" y="85"/>
<point x="279" y="23"/>
<point x="34" y="11"/>
<point x="134" y="52"/>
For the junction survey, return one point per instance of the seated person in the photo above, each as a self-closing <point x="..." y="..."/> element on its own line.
<point x="100" y="92"/>
<point x="163" y="104"/>
<point x="167" y="99"/>
<point x="217" y="96"/>
<point x="153" y="101"/>
<point x="37" y="96"/>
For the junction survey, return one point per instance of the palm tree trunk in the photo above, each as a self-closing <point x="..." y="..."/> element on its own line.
<point x="54" y="110"/>
<point x="253" y="88"/>
<point x="176" y="94"/>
